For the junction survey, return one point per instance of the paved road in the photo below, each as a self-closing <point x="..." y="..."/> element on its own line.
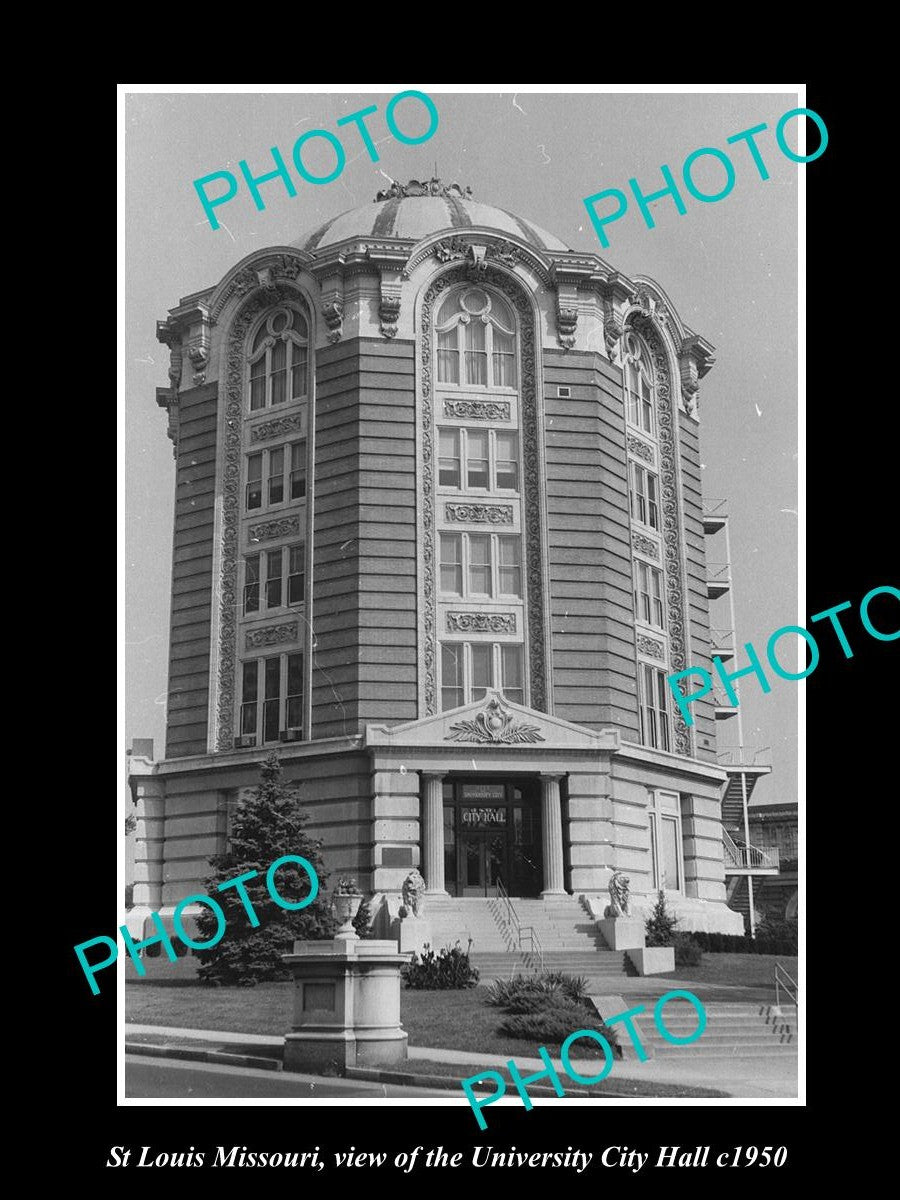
<point x="162" y="1078"/>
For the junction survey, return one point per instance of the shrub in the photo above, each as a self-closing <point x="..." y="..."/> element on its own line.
<point x="553" y="1023"/>
<point x="363" y="920"/>
<point x="688" y="951"/>
<point x="660" y="925"/>
<point x="729" y="943"/>
<point x="440" y="972"/>
<point x="523" y="993"/>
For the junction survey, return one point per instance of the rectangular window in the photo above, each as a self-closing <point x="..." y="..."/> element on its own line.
<point x="448" y="357"/>
<point x="271" y="701"/>
<point x="451" y="564"/>
<point x="258" y="384"/>
<point x="482" y="673"/>
<point x="511" y="673"/>
<point x="299" y="361"/>
<point x="504" y="358"/>
<point x="279" y="372"/>
<point x="654" y="705"/>
<point x="451" y="675"/>
<point x="276" y="476"/>
<point x="510" y="566"/>
<point x="643" y="496"/>
<point x="296" y="579"/>
<point x="449" y="464"/>
<point x="507" y="460"/>
<point x="254" y="481"/>
<point x="251" y="584"/>
<point x="273" y="578"/>
<point x="248" y="699"/>
<point x="648" y="603"/>
<point x="293" y="714"/>
<point x="646" y="403"/>
<point x="477" y="459"/>
<point x="479" y="565"/>
<point x="297" y="485"/>
<point x="476" y="352"/>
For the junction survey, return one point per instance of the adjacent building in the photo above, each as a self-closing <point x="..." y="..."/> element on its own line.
<point x="439" y="538"/>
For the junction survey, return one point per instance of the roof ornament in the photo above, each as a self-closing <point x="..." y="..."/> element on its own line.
<point x="431" y="187"/>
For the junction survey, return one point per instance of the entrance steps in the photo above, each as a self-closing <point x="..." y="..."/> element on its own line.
<point x="744" y="1030"/>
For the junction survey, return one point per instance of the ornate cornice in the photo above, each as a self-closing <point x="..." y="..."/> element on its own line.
<point x="481" y="248"/>
<point x="265" y="270"/>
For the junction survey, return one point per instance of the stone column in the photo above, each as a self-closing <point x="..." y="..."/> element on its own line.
<point x="433" y="832"/>
<point x="149" y="791"/>
<point x="551" y="830"/>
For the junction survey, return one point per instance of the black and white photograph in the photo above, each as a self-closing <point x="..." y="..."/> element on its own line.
<point x="465" y="639"/>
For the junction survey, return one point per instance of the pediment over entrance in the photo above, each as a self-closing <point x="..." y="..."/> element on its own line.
<point x="494" y="721"/>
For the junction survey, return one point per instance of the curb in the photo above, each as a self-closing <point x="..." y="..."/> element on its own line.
<point x="190" y="1054"/>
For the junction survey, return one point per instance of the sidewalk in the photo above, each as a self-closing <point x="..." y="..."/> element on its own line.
<point x="774" y="1077"/>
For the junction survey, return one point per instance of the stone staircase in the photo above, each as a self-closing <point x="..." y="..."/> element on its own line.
<point x="566" y="933"/>
<point x="740" y="1030"/>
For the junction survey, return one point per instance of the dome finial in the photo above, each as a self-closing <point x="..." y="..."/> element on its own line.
<point x="433" y="187"/>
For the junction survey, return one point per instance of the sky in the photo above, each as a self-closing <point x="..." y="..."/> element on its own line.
<point x="730" y="269"/>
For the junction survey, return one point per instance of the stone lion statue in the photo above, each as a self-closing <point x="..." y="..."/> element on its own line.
<point x="619" y="886"/>
<point x="413" y="893"/>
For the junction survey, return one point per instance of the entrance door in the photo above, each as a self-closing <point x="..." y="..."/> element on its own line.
<point x="482" y="862"/>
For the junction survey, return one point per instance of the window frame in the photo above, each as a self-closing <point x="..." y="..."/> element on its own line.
<point x="286" y="475"/>
<point x="260" y="700"/>
<point x="293" y="344"/>
<point x="636" y="365"/>
<point x="497" y="671"/>
<point x="263" y="557"/>
<point x="652" y="601"/>
<point x="462" y="433"/>
<point x="648" y="708"/>
<point x="460" y="321"/>
<point x="640" y="499"/>
<point x="494" y="565"/>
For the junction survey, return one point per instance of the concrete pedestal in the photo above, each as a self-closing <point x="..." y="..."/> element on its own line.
<point x="414" y="934"/>
<point x="346" y="1005"/>
<point x="654" y="960"/>
<point x="622" y="933"/>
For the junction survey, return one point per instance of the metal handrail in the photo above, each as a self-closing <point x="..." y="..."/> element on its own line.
<point x="742" y="855"/>
<point x="745" y="757"/>
<point x="789" y="983"/>
<point x="519" y="928"/>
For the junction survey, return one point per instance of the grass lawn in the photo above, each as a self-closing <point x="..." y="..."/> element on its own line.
<point x="736" y="970"/>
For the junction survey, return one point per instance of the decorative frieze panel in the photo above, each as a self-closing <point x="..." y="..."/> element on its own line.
<point x="533" y="538"/>
<point x="267" y="530"/>
<point x="639" y="447"/>
<point x="276" y="428"/>
<point x="651" y="647"/>
<point x="671" y="520"/>
<point x="481" y="622"/>
<point x="271" y="635"/>
<point x="478" y="410"/>
<point x="645" y="545"/>
<point x="495" y="723"/>
<point x="480" y="514"/>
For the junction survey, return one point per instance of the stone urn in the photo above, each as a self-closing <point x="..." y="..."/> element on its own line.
<point x="345" y="904"/>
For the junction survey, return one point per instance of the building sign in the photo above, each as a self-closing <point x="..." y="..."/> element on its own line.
<point x="483" y="818"/>
<point x="483" y="791"/>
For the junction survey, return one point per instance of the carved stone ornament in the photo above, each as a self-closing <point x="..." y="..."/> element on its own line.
<point x="333" y="312"/>
<point x="481" y="622"/>
<point x="271" y="635"/>
<point x="431" y="187"/>
<point x="413" y="894"/>
<point x="494" y="723"/>
<point x="389" y="312"/>
<point x="478" y="410"/>
<point x="516" y="296"/>
<point x="619" y="888"/>
<point x="245" y="281"/>
<point x="448" y="250"/>
<point x="267" y="530"/>
<point x="566" y="323"/>
<point x="671" y="523"/>
<point x="650" y="647"/>
<point x="199" y="356"/>
<point x="286" y="267"/>
<point x="480" y="514"/>
<point x="645" y="545"/>
<point x="281" y="425"/>
<point x="640" y="448"/>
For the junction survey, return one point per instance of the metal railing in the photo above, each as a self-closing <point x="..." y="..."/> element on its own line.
<point x="784" y="980"/>
<point x="746" y="757"/>
<point x="740" y="855"/>
<point x="521" y="931"/>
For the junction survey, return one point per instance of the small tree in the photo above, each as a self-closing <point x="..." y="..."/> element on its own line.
<point x="660" y="925"/>
<point x="266" y="826"/>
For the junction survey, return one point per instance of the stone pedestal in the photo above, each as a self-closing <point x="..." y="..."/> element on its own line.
<point x="622" y="933"/>
<point x="654" y="960"/>
<point x="414" y="934"/>
<point x="346" y="1005"/>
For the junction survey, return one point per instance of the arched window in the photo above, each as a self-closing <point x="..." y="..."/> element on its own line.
<point x="638" y="384"/>
<point x="279" y="359"/>
<point x="476" y="340"/>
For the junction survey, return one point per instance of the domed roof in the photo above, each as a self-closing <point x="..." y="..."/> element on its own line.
<point x="417" y="210"/>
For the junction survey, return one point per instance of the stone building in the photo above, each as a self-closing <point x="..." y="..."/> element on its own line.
<point x="439" y="538"/>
